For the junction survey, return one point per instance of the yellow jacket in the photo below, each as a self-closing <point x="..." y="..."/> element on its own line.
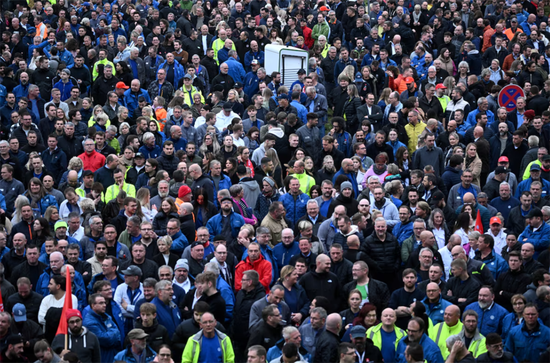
<point x="439" y="334"/>
<point x="112" y="192"/>
<point x="306" y="182"/>
<point x="413" y="132"/>
<point x="194" y="343"/>
<point x="105" y="61"/>
<point x="374" y="334"/>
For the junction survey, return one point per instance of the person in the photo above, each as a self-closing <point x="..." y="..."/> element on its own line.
<point x="138" y="348"/>
<point x="516" y="339"/>
<point x="209" y="345"/>
<point x="434" y="303"/>
<point x="459" y="352"/>
<point x="416" y="333"/>
<point x="386" y="335"/>
<point x="514" y="281"/>
<point x="462" y="287"/>
<point x="451" y="325"/>
<point x="495" y="351"/>
<point x="326" y="349"/>
<point x="168" y="313"/>
<point x="322" y="282"/>
<point x="254" y="261"/>
<point x="291" y="335"/>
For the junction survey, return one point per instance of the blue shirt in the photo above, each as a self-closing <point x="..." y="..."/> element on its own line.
<point x="211" y="351"/>
<point x="388" y="345"/>
<point x="323" y="208"/>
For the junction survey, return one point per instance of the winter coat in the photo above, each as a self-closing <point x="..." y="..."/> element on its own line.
<point x="465" y="289"/>
<point x="495" y="263"/>
<point x="386" y="255"/>
<point x="261" y="266"/>
<point x="326" y="347"/>
<point x="295" y="206"/>
<point x="127" y="355"/>
<point x="86" y="345"/>
<point x="528" y="346"/>
<point x="432" y="353"/>
<point x="107" y="334"/>
<point x="193" y="348"/>
<point x="490" y="319"/>
<point x="241" y="312"/>
<point x="214" y="225"/>
<point x="262" y="204"/>
<point x="511" y="283"/>
<point x="435" y="312"/>
<point x="323" y="284"/>
<point x="351" y="204"/>
<point x="168" y="163"/>
<point x="161" y="220"/>
<point x="539" y="238"/>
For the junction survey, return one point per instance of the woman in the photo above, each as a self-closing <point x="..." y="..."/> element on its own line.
<point x="203" y="209"/>
<point x="514" y="318"/>
<point x="275" y="36"/>
<point x="447" y="62"/>
<point x="160" y="138"/>
<point x="463" y="72"/>
<point x="295" y="295"/>
<point x="38" y="198"/>
<point x="143" y="196"/>
<point x="454" y="141"/>
<point x="231" y="170"/>
<point x="473" y="243"/>
<point x="359" y="171"/>
<point x="124" y="127"/>
<point x="328" y="170"/>
<point x="496" y="73"/>
<point x="233" y="97"/>
<point x="423" y="211"/>
<point x="403" y="160"/>
<point x="417" y="108"/>
<point x="168" y="210"/>
<point x="206" y="159"/>
<point x="378" y="169"/>
<point x="86" y="110"/>
<point x="41" y="231"/>
<point x="307" y="230"/>
<point x="349" y="315"/>
<point x="277" y="169"/>
<point x="384" y="98"/>
<point x="243" y="157"/>
<point x="124" y="73"/>
<point x="240" y="205"/>
<point x="395" y="189"/>
<point x="350" y="109"/>
<point x="367" y="316"/>
<point x="473" y="163"/>
<point x="394" y="142"/>
<point x="299" y="154"/>
<point x="165" y="257"/>
<point x="315" y="191"/>
<point x="439" y="228"/>
<point x="309" y="168"/>
<point x="164" y="354"/>
<point x="52" y="216"/>
<point x="209" y="143"/>
<point x="252" y="139"/>
<point x="462" y="227"/>
<point x="450" y="83"/>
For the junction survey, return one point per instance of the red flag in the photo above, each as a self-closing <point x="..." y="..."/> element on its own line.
<point x="62" y="328"/>
<point x="1" y="302"/>
<point x="479" y="225"/>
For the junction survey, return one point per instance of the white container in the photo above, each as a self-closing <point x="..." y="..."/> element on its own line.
<point x="286" y="60"/>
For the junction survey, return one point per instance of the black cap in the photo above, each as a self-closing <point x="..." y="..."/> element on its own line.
<point x="87" y="173"/>
<point x="546" y="157"/>
<point x="14" y="339"/>
<point x="302" y="71"/>
<point x="239" y="85"/>
<point x="226" y="199"/>
<point x="139" y="155"/>
<point x="228" y="106"/>
<point x="219" y="237"/>
<point x="535" y="212"/>
<point x="438" y="196"/>
<point x="195" y="244"/>
<point x="501" y="170"/>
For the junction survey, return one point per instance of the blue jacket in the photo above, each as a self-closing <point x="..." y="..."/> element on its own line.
<point x="295" y="208"/>
<point x="107" y="333"/>
<point x="250" y="56"/>
<point x="395" y="146"/>
<point x="525" y="186"/>
<point x="179" y="71"/>
<point x="3" y="94"/>
<point x="432" y="354"/>
<point x="214" y="225"/>
<point x="150" y="153"/>
<point x="169" y="316"/>
<point x="67" y="57"/>
<point x="43" y="204"/>
<point x="179" y="242"/>
<point x="100" y="276"/>
<point x="118" y="318"/>
<point x="344" y="143"/>
<point x="540" y="239"/>
<point x="471" y="120"/>
<point x="528" y="346"/>
<point x="508" y="322"/>
<point x="65" y="89"/>
<point x="126" y="355"/>
<point x="352" y="179"/>
<point x="236" y="69"/>
<point x="403" y="231"/>
<point x="225" y="183"/>
<point x="56" y="162"/>
<point x="21" y="91"/>
<point x="436" y="311"/>
<point x="302" y="111"/>
<point x="340" y="65"/>
<point x="250" y="83"/>
<point x="226" y="292"/>
<point x="495" y="263"/>
<point x="131" y="100"/>
<point x="490" y="319"/>
<point x="283" y="254"/>
<point x="484" y="212"/>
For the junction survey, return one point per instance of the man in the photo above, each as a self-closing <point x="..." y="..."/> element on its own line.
<point x="326" y="349"/>
<point x="516" y="219"/>
<point x="309" y="135"/>
<point x="458" y="351"/>
<point x="417" y="334"/>
<point x="138" y="347"/>
<point x="16" y="256"/>
<point x="516" y="339"/>
<point x="450" y="325"/>
<point x="128" y="293"/>
<point x="434" y="303"/>
<point x="462" y="287"/>
<point x="226" y="222"/>
<point x="457" y="192"/>
<point x="373" y="291"/>
<point x="267" y="332"/>
<point x="386" y="334"/>
<point x="495" y="352"/>
<point x="322" y="282"/>
<point x="485" y="253"/>
<point x="30" y="299"/>
<point x="255" y="261"/>
<point x="31" y="268"/>
<point x="402" y="298"/>
<point x="109" y="269"/>
<point x="217" y="345"/>
<point x="473" y="340"/>
<point x="536" y="234"/>
<point x="55" y="299"/>
<point x="386" y="260"/>
<point x="206" y="283"/>
<point x="294" y="201"/>
<point x="168" y="313"/>
<point x="13" y="350"/>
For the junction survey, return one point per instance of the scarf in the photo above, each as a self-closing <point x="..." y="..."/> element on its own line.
<point x="35" y="199"/>
<point x="126" y="162"/>
<point x="379" y="170"/>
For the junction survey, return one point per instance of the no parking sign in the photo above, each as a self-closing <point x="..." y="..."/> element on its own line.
<point x="509" y="95"/>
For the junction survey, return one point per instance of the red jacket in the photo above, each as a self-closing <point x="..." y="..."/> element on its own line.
<point x="261" y="266"/>
<point x="92" y="161"/>
<point x="308" y="40"/>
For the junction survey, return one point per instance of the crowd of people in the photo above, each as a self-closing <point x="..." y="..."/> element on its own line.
<point x="380" y="204"/>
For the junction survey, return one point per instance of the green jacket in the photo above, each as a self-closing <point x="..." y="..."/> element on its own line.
<point x="320" y="29"/>
<point x="477" y="345"/>
<point x="193" y="348"/>
<point x="407" y="248"/>
<point x="439" y="334"/>
<point x="112" y="192"/>
<point x="374" y="334"/>
<point x="95" y="74"/>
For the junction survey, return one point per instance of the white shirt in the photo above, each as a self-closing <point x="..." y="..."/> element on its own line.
<point x="223" y="121"/>
<point x="186" y="285"/>
<point x="50" y="302"/>
<point x="78" y="234"/>
<point x="439" y="235"/>
<point x="122" y="292"/>
<point x="500" y="241"/>
<point x="446" y="258"/>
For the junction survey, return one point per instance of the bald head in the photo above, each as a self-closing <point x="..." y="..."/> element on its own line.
<point x="432" y="286"/>
<point x="427" y="238"/>
<point x="469" y="198"/>
<point x="452" y="315"/>
<point x="458" y="251"/>
<point x="334" y="322"/>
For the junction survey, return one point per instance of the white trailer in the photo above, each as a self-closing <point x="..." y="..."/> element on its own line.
<point x="286" y="60"/>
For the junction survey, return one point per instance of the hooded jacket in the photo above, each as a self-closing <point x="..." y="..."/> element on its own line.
<point x="251" y="190"/>
<point x="323" y="284"/>
<point x="351" y="204"/>
<point x="261" y="266"/>
<point x="86" y="345"/>
<point x="107" y="334"/>
<point x="295" y="206"/>
<point x="527" y="346"/>
<point x="432" y="354"/>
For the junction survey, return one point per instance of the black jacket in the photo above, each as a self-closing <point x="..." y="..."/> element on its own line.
<point x="538" y="103"/>
<point x="101" y="87"/>
<point x="104" y="176"/>
<point x="70" y="146"/>
<point x="351" y="204"/>
<point x="168" y="163"/>
<point x="379" y="294"/>
<point x="148" y="268"/>
<point x="10" y="260"/>
<point x="31" y="302"/>
<point x="462" y="289"/>
<point x="217" y="305"/>
<point x="23" y="270"/>
<point x="161" y="220"/>
<point x="510" y="283"/>
<point x="323" y="284"/>
<point x="158" y="335"/>
<point x="342" y="269"/>
<point x="350" y="110"/>
<point x="265" y="335"/>
<point x="326" y="347"/>
<point x="241" y="313"/>
<point x="516" y="222"/>
<point x="386" y="255"/>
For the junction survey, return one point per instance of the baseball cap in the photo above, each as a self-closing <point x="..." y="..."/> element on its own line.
<point x="437" y="196"/>
<point x="228" y="105"/>
<point x="535" y="212"/>
<point x="358" y="78"/>
<point x="139" y="155"/>
<point x="182" y="263"/>
<point x="503" y="159"/>
<point x="238" y="85"/>
<point x="358" y="331"/>
<point x="282" y="97"/>
<point x="226" y="199"/>
<point x="137" y="334"/>
<point x="31" y="30"/>
<point x="495" y="220"/>
<point x="188" y="76"/>
<point x="122" y="85"/>
<point x="14" y="339"/>
<point x="132" y="271"/>
<point x="323" y="8"/>
<point x="546" y="157"/>
<point x="220" y="237"/>
<point x="254" y="61"/>
<point x="409" y="80"/>
<point x="302" y="71"/>
<point x="535" y="167"/>
<point x="440" y="86"/>
<point x="60" y="224"/>
<point x="501" y="170"/>
<point x="19" y="312"/>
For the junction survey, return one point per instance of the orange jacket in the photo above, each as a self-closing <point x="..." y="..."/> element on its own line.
<point x="510" y="34"/>
<point x="261" y="266"/>
<point x="93" y="161"/>
<point x="398" y="84"/>
<point x="488" y="32"/>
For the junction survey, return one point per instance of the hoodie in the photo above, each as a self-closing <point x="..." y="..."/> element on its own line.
<point x="251" y="190"/>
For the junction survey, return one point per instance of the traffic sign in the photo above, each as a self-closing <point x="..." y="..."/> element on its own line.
<point x="509" y="95"/>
